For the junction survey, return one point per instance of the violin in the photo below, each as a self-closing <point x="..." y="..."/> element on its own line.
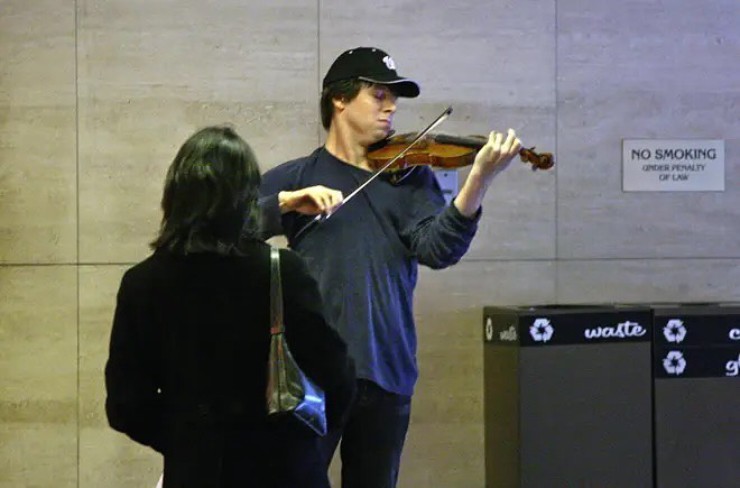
<point x="442" y="151"/>
<point x="399" y="155"/>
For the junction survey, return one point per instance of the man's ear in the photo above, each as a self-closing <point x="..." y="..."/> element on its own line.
<point x="339" y="103"/>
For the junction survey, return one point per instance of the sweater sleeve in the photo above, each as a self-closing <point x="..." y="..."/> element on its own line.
<point x="133" y="404"/>
<point x="437" y="235"/>
<point x="280" y="178"/>
<point x="271" y="223"/>
<point x="316" y="347"/>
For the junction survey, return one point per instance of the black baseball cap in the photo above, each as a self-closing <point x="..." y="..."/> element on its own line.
<point x="373" y="65"/>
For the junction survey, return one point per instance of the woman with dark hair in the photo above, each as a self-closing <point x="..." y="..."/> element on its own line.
<point x="187" y="368"/>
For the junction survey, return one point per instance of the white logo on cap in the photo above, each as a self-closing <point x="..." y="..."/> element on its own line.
<point x="389" y="63"/>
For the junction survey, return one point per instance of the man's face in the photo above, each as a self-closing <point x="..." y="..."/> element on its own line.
<point x="370" y="113"/>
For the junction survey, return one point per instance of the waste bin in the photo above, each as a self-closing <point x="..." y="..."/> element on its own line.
<point x="568" y="396"/>
<point x="697" y="395"/>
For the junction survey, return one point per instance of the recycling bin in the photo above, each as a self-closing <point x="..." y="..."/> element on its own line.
<point x="568" y="396"/>
<point x="697" y="395"/>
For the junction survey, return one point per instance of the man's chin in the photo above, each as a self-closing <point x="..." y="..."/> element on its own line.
<point x="383" y="133"/>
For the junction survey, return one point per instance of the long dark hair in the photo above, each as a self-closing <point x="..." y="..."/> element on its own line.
<point x="209" y="201"/>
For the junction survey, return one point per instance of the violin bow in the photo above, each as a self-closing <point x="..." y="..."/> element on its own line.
<point x="324" y="216"/>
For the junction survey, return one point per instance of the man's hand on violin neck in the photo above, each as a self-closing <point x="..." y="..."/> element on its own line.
<point x="312" y="200"/>
<point x="492" y="158"/>
<point x="496" y="155"/>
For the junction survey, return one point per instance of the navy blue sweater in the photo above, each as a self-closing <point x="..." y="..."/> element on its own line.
<point x="365" y="255"/>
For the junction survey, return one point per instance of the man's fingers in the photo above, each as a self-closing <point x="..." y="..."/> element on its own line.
<point x="334" y="198"/>
<point x="508" y="145"/>
<point x="326" y="199"/>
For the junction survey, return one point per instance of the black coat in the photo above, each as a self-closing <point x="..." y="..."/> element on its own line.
<point x="187" y="368"/>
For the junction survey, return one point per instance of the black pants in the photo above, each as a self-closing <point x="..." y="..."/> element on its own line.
<point x="372" y="438"/>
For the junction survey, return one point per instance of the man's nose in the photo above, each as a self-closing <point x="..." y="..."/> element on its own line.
<point x="390" y="105"/>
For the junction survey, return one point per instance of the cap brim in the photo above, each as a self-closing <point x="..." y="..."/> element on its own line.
<point x="403" y="87"/>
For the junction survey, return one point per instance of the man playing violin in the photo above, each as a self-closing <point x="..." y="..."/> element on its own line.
<point x="365" y="256"/>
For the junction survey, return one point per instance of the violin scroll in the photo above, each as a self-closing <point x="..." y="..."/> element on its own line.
<point x="538" y="160"/>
